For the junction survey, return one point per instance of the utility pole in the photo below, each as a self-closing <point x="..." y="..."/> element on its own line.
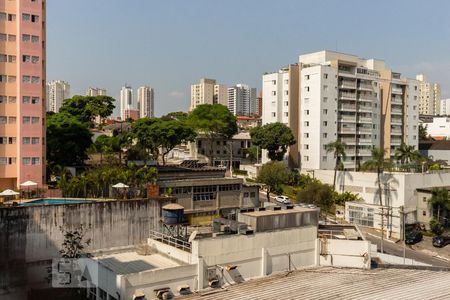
<point x="402" y="214"/>
<point x="382" y="229"/>
<point x="231" y="158"/>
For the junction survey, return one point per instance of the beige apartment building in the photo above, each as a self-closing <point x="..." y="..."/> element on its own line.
<point x="22" y="93"/>
<point x="329" y="96"/>
<point x="208" y="91"/>
<point x="430" y="96"/>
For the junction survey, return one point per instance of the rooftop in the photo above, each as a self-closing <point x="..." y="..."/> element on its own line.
<point x="335" y="283"/>
<point x="264" y="213"/>
<point x="131" y="262"/>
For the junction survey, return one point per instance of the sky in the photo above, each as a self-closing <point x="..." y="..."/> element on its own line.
<point x="171" y="44"/>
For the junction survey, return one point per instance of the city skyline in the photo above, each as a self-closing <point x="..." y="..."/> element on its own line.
<point x="161" y="58"/>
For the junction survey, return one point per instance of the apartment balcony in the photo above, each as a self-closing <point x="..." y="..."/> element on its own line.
<point x="346" y="119"/>
<point x="349" y="164"/>
<point x="396" y="141"/>
<point x="347" y="84"/>
<point x="365" y="120"/>
<point x="396" y="111"/>
<point x="346" y="72"/>
<point x="396" y="100"/>
<point x="347" y="96"/>
<point x="366" y="98"/>
<point x="348" y="141"/>
<point x="364" y="152"/>
<point x="363" y="108"/>
<point x="397" y="91"/>
<point x="365" y="142"/>
<point x="396" y="132"/>
<point x="364" y="130"/>
<point x="348" y="107"/>
<point x="348" y="130"/>
<point x="396" y="121"/>
<point x="365" y="87"/>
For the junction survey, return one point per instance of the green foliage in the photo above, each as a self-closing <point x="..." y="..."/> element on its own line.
<point x="214" y="121"/>
<point x="74" y="243"/>
<point x="338" y="149"/>
<point x="68" y="140"/>
<point x="272" y="175"/>
<point x="423" y="134"/>
<point x="436" y="227"/>
<point x="439" y="201"/>
<point x="406" y="154"/>
<point x="275" y="138"/>
<point x="252" y="153"/>
<point x="341" y="198"/>
<point x="318" y="194"/>
<point x="86" y="108"/>
<point x="434" y="167"/>
<point x="155" y="135"/>
<point x="177" y="115"/>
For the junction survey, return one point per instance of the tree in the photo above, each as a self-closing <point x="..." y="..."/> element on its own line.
<point x="318" y="194"/>
<point x="74" y="243"/>
<point x="68" y="140"/>
<point x="275" y="138"/>
<point x="214" y="121"/>
<point x="86" y="108"/>
<point x="252" y="153"/>
<point x="378" y="163"/>
<point x="341" y="198"/>
<point x="177" y="115"/>
<point x="439" y="200"/>
<point x="423" y="134"/>
<point x="272" y="175"/>
<point x="338" y="149"/>
<point x="143" y="131"/>
<point x="406" y="154"/>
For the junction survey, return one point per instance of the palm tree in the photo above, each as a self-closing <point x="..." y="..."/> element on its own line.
<point x="378" y="163"/>
<point x="440" y="199"/>
<point x="338" y="149"/>
<point x="406" y="154"/>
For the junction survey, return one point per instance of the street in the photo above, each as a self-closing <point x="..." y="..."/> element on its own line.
<point x="397" y="249"/>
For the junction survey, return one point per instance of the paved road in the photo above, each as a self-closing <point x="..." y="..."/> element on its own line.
<point x="397" y="249"/>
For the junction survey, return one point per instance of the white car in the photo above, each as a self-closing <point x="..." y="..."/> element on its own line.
<point x="282" y="199"/>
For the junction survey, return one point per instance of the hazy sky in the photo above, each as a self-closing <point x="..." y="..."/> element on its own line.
<point x="170" y="44"/>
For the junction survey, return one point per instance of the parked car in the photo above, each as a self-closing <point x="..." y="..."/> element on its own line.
<point x="282" y="199"/>
<point x="413" y="237"/>
<point x="441" y="241"/>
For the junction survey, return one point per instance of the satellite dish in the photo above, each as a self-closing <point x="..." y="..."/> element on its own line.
<point x="193" y="236"/>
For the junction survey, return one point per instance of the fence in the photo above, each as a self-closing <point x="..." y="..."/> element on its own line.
<point x="170" y="240"/>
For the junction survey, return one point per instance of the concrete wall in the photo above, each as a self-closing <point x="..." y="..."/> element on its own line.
<point x="255" y="255"/>
<point x="31" y="235"/>
<point x="344" y="253"/>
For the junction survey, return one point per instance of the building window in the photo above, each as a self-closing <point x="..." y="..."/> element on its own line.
<point x="306" y="123"/>
<point x="307" y="77"/>
<point x="286" y="114"/>
<point x="3" y="16"/>
<point x="424" y="213"/>
<point x="306" y="158"/>
<point x="325" y="135"/>
<point x="325" y="99"/>
<point x="26" y="79"/>
<point x="26" y="58"/>
<point x="12" y="120"/>
<point x="35" y="140"/>
<point x="35" y="79"/>
<point x="11" y="140"/>
<point x="3" y="37"/>
<point x="26" y="17"/>
<point x="307" y="112"/>
<point x="325" y="123"/>
<point x="3" y="119"/>
<point x="325" y="111"/>
<point x="325" y="75"/>
<point x="306" y="146"/>
<point x="35" y="161"/>
<point x="274" y="93"/>
<point x="11" y="38"/>
<point x="34" y="100"/>
<point x="34" y="18"/>
<point x="306" y="135"/>
<point x="3" y="57"/>
<point x="11" y="58"/>
<point x="35" y="120"/>
<point x="11" y="17"/>
<point x="274" y="114"/>
<point x="26" y="120"/>
<point x="286" y="92"/>
<point x="325" y="87"/>
<point x="26" y="140"/>
<point x="286" y="81"/>
<point x="3" y="99"/>
<point x="34" y="39"/>
<point x="26" y="160"/>
<point x="26" y="38"/>
<point x="286" y="103"/>
<point x="35" y="59"/>
<point x="3" y="160"/>
<point x="274" y="82"/>
<point x="25" y="99"/>
<point x="11" y="79"/>
<point x="307" y="88"/>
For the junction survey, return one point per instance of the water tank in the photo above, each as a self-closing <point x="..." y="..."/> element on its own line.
<point x="173" y="214"/>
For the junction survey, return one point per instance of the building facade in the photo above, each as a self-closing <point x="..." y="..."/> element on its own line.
<point x="329" y="96"/>
<point x="445" y="107"/>
<point x="208" y="91"/>
<point x="145" y="99"/>
<point x="22" y="93"/>
<point x="95" y="91"/>
<point x="57" y="92"/>
<point x="126" y="101"/>
<point x="242" y="100"/>
<point x="430" y="96"/>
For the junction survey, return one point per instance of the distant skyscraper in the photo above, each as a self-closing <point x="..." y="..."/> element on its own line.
<point x="126" y="102"/>
<point x="145" y="96"/>
<point x="430" y="96"/>
<point x="445" y="107"/>
<point x="242" y="100"/>
<point x="94" y="91"/>
<point x="208" y="92"/>
<point x="57" y="92"/>
<point x="22" y="90"/>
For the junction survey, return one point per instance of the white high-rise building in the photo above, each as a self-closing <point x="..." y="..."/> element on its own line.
<point x="331" y="96"/>
<point x="57" y="92"/>
<point x="430" y="96"/>
<point x="126" y="102"/>
<point x="445" y="107"/>
<point x="208" y="92"/>
<point x="145" y="97"/>
<point x="95" y="91"/>
<point x="242" y="100"/>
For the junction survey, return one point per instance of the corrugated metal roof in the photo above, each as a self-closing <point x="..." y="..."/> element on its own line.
<point x="131" y="262"/>
<point x="335" y="283"/>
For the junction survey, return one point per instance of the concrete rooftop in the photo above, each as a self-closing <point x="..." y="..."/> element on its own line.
<point x="131" y="262"/>
<point x="270" y="212"/>
<point x="334" y="283"/>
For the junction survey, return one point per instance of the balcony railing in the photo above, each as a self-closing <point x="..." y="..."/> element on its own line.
<point x="347" y="84"/>
<point x="347" y="119"/>
<point x="347" y="107"/>
<point x="365" y="87"/>
<point x="365" y="141"/>
<point x="365" y="108"/>
<point x="397" y="90"/>
<point x="365" y="120"/>
<point x="348" y="130"/>
<point x="396" y="111"/>
<point x="351" y="96"/>
<point x="396" y="141"/>
<point x="396" y="121"/>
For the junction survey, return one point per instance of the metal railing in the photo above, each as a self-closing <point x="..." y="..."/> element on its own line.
<point x="170" y="240"/>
